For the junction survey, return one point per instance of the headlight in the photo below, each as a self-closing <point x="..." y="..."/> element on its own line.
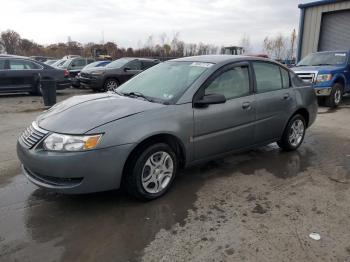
<point x="324" y="77"/>
<point x="99" y="72"/>
<point x="58" y="142"/>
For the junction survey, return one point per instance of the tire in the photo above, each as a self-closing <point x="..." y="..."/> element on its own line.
<point x="296" y="127"/>
<point x="336" y="96"/>
<point x="110" y="84"/>
<point x="320" y="100"/>
<point x="143" y="183"/>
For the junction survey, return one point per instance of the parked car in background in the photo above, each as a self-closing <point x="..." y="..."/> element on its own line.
<point x="21" y="74"/>
<point x="51" y="61"/>
<point x="330" y="74"/>
<point x="96" y="64"/>
<point x="175" y="114"/>
<point x="70" y="56"/>
<point x="40" y="58"/>
<point x="58" y="63"/>
<point x="115" y="73"/>
<point x="75" y="65"/>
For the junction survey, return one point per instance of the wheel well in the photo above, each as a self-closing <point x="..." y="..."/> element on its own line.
<point x="340" y="80"/>
<point x="171" y="140"/>
<point x="304" y="113"/>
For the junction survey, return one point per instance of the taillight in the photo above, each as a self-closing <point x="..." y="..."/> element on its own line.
<point x="66" y="73"/>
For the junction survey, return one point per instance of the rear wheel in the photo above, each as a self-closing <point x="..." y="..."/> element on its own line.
<point x="336" y="96"/>
<point x="294" y="133"/>
<point x="151" y="171"/>
<point x="110" y="85"/>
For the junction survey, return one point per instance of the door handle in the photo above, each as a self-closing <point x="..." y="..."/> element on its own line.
<point x="246" y="106"/>
<point x="286" y="96"/>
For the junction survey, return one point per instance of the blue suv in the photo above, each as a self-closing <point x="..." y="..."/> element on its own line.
<point x="330" y="74"/>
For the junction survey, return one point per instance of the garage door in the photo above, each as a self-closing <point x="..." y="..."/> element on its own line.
<point x="335" y="31"/>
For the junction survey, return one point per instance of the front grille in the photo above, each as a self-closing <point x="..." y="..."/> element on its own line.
<point x="32" y="135"/>
<point x="307" y="77"/>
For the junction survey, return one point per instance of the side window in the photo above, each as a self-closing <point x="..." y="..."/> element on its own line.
<point x="16" y="64"/>
<point x="231" y="83"/>
<point x="268" y="77"/>
<point x="2" y="64"/>
<point x="146" y="64"/>
<point x="134" y="65"/>
<point x="78" y="63"/>
<point x="285" y="78"/>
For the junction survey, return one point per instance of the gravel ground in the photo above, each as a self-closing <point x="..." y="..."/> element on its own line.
<point x="257" y="206"/>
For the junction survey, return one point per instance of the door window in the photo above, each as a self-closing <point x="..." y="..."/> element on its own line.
<point x="2" y="64"/>
<point x="16" y="64"/>
<point x="268" y="77"/>
<point x="146" y="64"/>
<point x="231" y="83"/>
<point x="134" y="65"/>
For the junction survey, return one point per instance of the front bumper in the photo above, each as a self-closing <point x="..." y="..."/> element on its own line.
<point x="74" y="172"/>
<point x="324" y="91"/>
<point x="91" y="82"/>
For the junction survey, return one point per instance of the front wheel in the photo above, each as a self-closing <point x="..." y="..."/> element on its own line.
<point x="336" y="96"/>
<point x="110" y="85"/>
<point x="294" y="134"/>
<point x="151" y="171"/>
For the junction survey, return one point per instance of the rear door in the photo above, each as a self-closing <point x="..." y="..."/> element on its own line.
<point x="23" y="75"/>
<point x="221" y="128"/>
<point x="275" y="100"/>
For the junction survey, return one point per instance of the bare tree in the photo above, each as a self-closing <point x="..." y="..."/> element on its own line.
<point x="10" y="40"/>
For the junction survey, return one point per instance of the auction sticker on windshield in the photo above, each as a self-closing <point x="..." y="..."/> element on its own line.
<point x="201" y="64"/>
<point x="340" y="54"/>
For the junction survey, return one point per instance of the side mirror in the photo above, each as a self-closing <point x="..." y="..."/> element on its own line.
<point x="127" y="69"/>
<point x="72" y="65"/>
<point x="210" y="99"/>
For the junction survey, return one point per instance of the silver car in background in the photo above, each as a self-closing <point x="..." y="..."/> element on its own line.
<point x="175" y="114"/>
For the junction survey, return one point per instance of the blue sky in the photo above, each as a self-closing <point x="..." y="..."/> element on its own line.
<point x="129" y="23"/>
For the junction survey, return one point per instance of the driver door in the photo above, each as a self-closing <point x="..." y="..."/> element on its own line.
<point x="220" y="128"/>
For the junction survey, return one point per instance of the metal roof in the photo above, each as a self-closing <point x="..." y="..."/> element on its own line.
<point x="318" y="3"/>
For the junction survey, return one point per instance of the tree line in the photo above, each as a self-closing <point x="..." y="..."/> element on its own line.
<point x="279" y="47"/>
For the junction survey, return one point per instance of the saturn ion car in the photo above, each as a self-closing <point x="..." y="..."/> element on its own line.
<point x="175" y="114"/>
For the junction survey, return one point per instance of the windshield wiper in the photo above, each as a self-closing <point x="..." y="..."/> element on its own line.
<point x="138" y="94"/>
<point x="321" y="64"/>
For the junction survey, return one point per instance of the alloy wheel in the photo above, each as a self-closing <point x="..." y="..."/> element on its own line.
<point x="296" y="132"/>
<point x="157" y="172"/>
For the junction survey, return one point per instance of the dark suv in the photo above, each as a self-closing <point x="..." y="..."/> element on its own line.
<point x="75" y="65"/>
<point x="115" y="73"/>
<point x="21" y="74"/>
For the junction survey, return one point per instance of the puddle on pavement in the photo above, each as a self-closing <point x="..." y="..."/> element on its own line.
<point x="111" y="226"/>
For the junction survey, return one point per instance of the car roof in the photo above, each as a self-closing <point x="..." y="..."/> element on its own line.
<point x="14" y="56"/>
<point x="215" y="59"/>
<point x="140" y="58"/>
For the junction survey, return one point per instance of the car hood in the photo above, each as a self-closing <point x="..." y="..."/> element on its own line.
<point x="79" y="114"/>
<point x="91" y="69"/>
<point x="315" y="68"/>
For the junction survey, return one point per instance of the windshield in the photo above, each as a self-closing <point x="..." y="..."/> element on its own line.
<point x="327" y="58"/>
<point x="96" y="64"/>
<point x="118" y="63"/>
<point x="65" y="64"/>
<point x="165" y="81"/>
